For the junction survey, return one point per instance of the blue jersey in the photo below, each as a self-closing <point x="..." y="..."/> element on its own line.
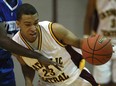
<point x="8" y="14"/>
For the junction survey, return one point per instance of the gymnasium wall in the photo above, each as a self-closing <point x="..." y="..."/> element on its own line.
<point x="70" y="13"/>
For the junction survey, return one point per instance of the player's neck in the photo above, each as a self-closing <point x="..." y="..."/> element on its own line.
<point x="34" y="44"/>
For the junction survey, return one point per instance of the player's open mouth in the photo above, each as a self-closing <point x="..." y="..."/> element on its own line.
<point x="34" y="34"/>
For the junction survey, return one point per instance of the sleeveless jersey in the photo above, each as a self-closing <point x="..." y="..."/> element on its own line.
<point x="8" y="15"/>
<point x="107" y="18"/>
<point x="50" y="47"/>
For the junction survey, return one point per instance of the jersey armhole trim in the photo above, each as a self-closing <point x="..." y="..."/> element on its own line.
<point x="54" y="37"/>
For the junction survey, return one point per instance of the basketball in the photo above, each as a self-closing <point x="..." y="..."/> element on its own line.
<point x="97" y="50"/>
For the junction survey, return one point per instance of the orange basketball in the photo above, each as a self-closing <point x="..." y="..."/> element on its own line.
<point x="97" y="49"/>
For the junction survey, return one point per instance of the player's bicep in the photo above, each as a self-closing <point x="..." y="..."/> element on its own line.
<point x="64" y="35"/>
<point x="70" y="39"/>
<point x="59" y="31"/>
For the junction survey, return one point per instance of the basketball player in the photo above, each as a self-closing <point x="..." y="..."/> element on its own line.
<point x="8" y="16"/>
<point x="55" y="42"/>
<point x="101" y="19"/>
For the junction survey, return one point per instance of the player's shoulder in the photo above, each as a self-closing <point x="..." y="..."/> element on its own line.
<point x="19" y="2"/>
<point x="16" y="36"/>
<point x="44" y="23"/>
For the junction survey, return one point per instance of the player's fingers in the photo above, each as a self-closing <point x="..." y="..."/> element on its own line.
<point x="47" y="68"/>
<point x="93" y="33"/>
<point x="57" y="66"/>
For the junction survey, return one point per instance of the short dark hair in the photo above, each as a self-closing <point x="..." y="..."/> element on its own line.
<point x="27" y="9"/>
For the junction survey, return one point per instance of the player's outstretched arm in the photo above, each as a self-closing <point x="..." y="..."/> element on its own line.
<point x="10" y="45"/>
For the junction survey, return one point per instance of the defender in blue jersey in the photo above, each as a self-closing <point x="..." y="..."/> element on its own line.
<point x="8" y="16"/>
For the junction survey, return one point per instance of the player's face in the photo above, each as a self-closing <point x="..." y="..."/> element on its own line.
<point x="28" y="26"/>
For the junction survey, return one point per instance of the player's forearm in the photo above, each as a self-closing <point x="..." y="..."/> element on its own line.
<point x="13" y="47"/>
<point x="27" y="83"/>
<point x="28" y="74"/>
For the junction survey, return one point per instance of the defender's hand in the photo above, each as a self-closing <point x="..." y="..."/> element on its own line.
<point x="46" y="62"/>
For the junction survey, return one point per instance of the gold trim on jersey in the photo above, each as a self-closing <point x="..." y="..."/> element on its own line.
<point x="40" y="37"/>
<point x="25" y="41"/>
<point x="52" y="33"/>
